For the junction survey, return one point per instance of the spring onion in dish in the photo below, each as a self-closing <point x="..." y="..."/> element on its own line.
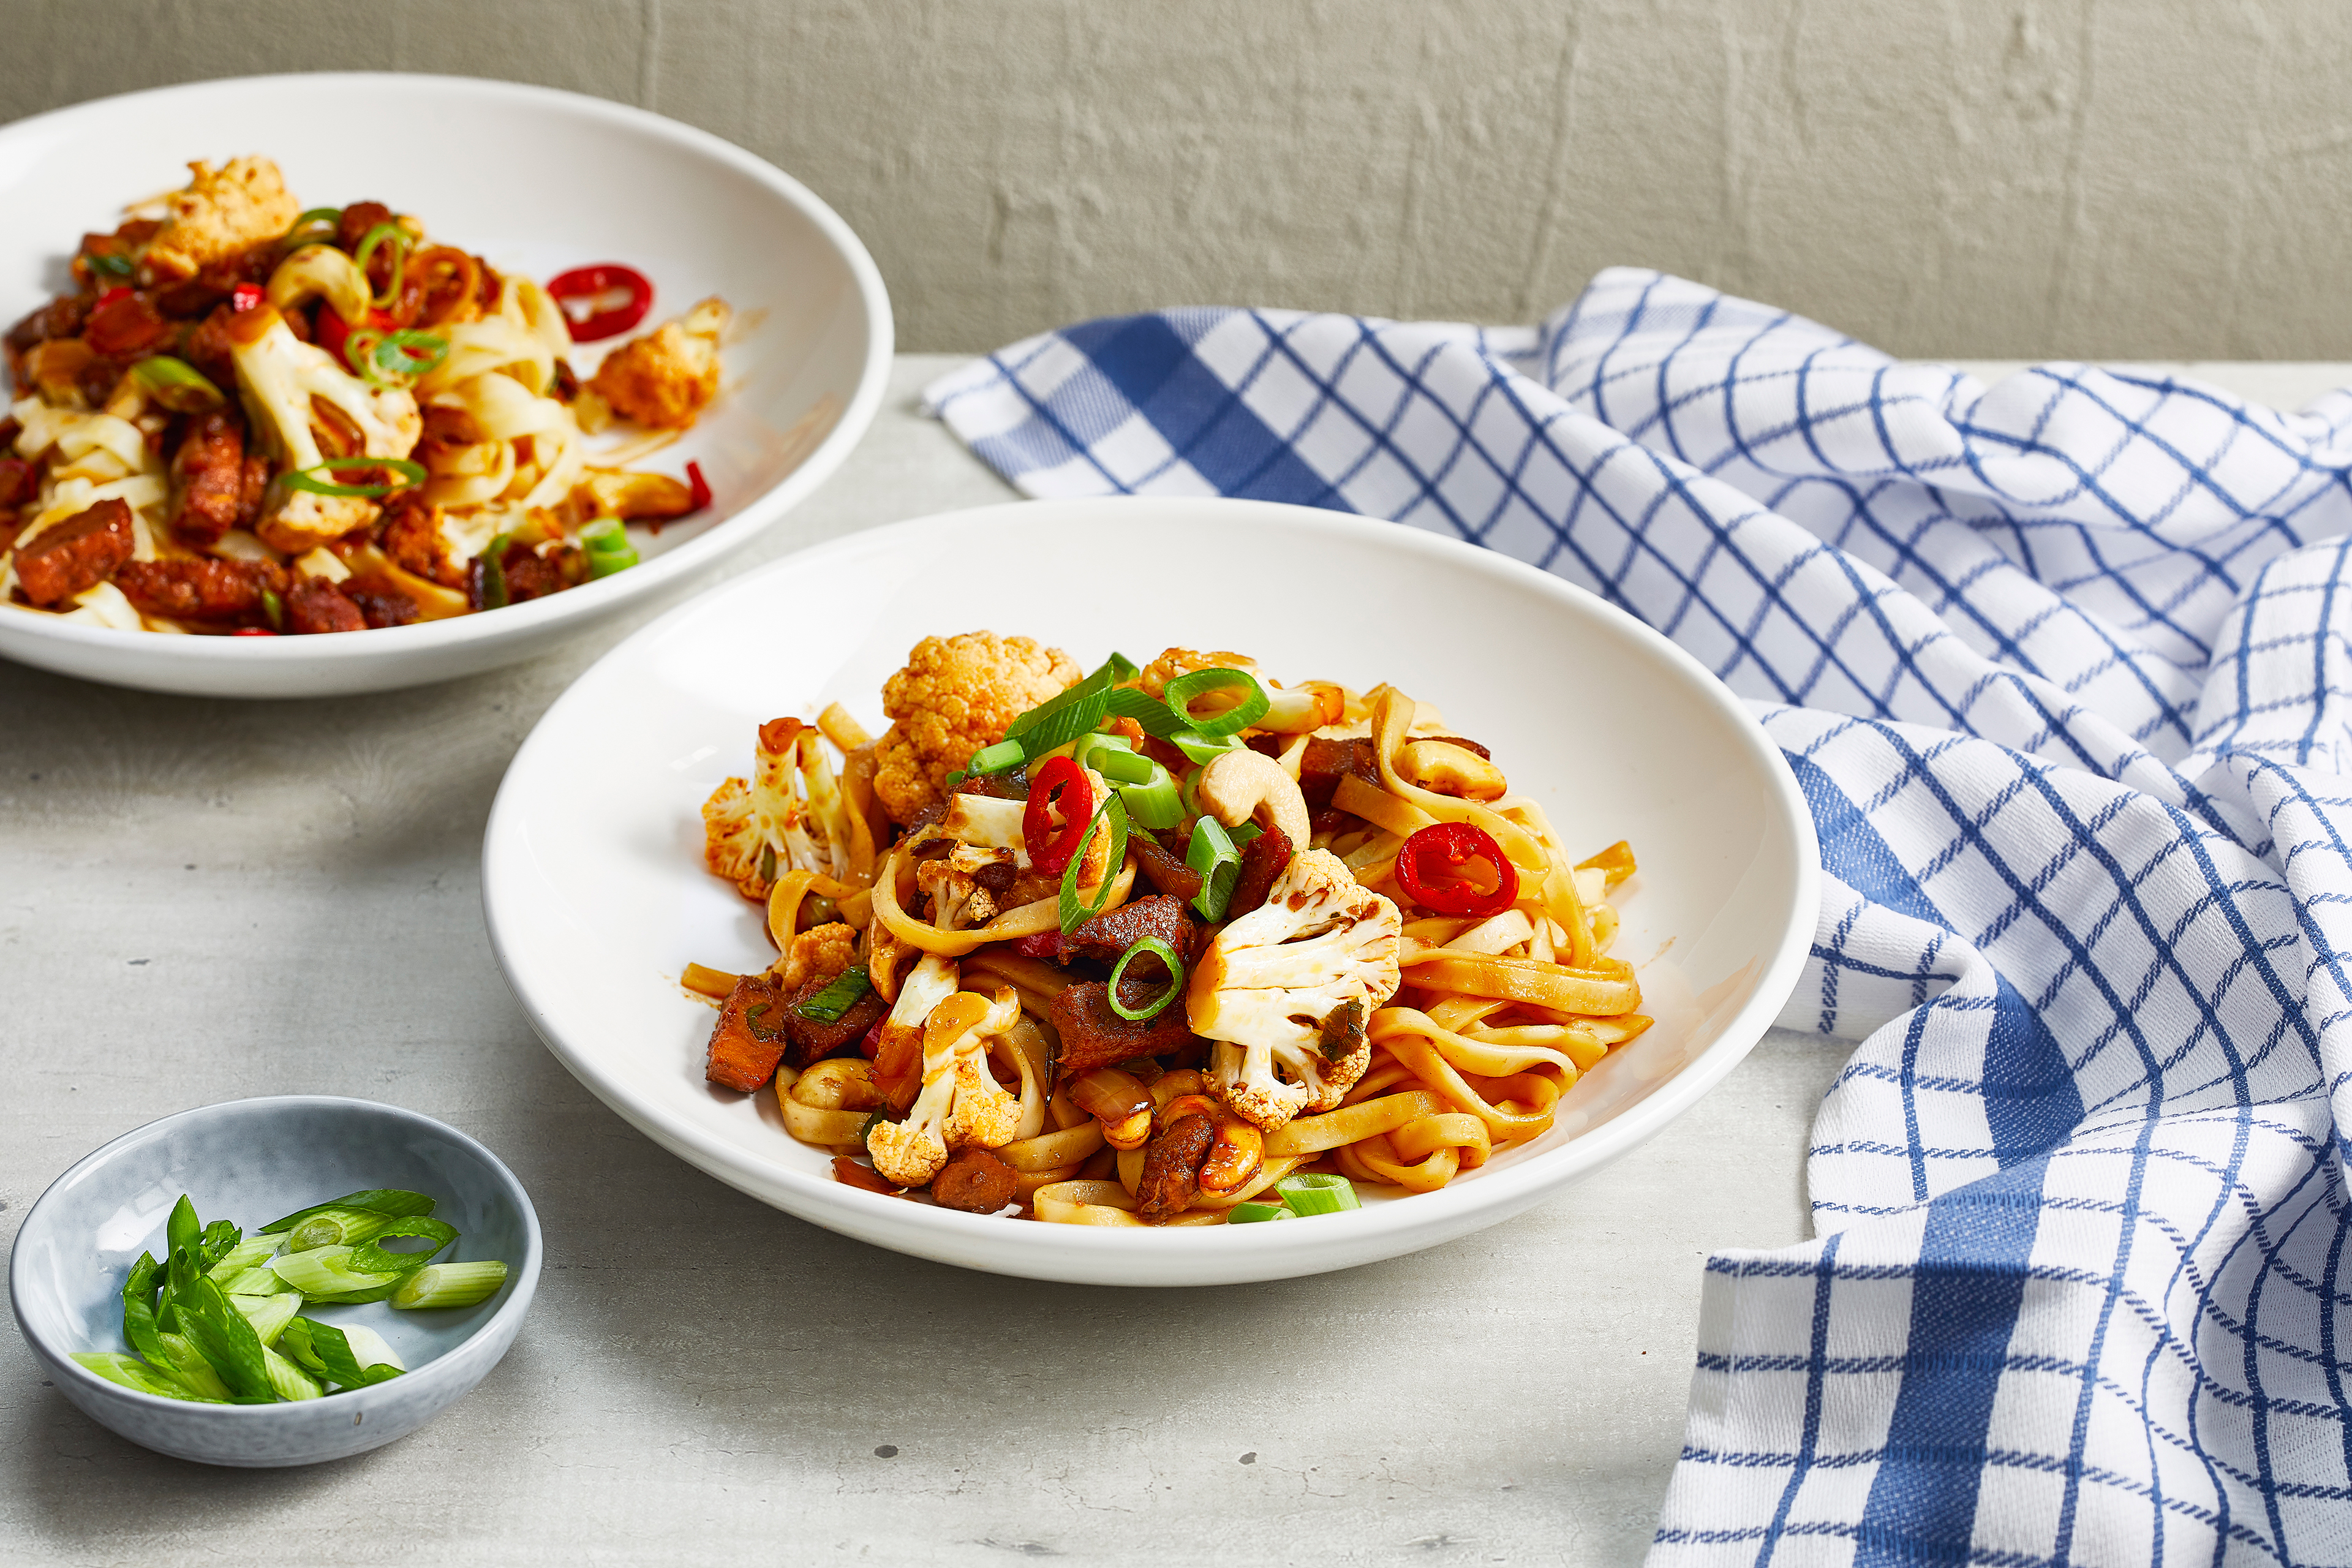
<point x="219" y="1319"/>
<point x="1317" y="1191"/>
<point x="1168" y="993"/>
<point x="606" y="541"/>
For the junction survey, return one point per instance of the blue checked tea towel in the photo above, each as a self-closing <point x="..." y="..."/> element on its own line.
<point x="2064" y="666"/>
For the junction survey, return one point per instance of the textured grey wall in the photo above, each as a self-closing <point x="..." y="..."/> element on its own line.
<point x="2133" y="178"/>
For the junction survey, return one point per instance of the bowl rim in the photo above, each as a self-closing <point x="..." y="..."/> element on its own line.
<point x="456" y="1360"/>
<point x="1506" y="1190"/>
<point x="589" y="599"/>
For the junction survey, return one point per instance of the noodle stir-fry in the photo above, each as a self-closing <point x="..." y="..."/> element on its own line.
<point x="1155" y="946"/>
<point x="251" y="419"/>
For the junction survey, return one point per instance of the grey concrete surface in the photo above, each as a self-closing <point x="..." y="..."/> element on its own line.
<point x="2154" y="178"/>
<point x="205" y="901"/>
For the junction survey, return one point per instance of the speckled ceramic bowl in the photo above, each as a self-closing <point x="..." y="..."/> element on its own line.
<point x="249" y="1160"/>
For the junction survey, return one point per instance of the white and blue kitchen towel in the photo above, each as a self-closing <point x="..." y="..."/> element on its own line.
<point x="2063" y="666"/>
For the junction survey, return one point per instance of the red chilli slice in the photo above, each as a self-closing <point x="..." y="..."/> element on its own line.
<point x="601" y="301"/>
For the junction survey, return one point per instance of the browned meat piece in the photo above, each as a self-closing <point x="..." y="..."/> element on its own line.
<point x="207" y="346"/>
<point x="1264" y="858"/>
<point x="381" y="600"/>
<point x="1095" y="1036"/>
<point x="257" y="489"/>
<point x="812" y="1041"/>
<point x="410" y="532"/>
<point x="19" y="481"/>
<point x="1172" y="1168"/>
<point x="1013" y="786"/>
<point x="208" y="478"/>
<point x="125" y="327"/>
<point x="974" y="1181"/>
<point x="746" y="1043"/>
<point x="316" y="605"/>
<point x="530" y="575"/>
<point x="567" y="381"/>
<point x="1322" y="763"/>
<point x="358" y="218"/>
<point x="1163" y="867"/>
<point x="1104" y="936"/>
<point x="61" y="318"/>
<point x="78" y="553"/>
<point x="201" y="590"/>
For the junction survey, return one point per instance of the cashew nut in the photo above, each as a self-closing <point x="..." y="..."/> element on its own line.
<point x="1237" y="785"/>
<point x="1443" y="768"/>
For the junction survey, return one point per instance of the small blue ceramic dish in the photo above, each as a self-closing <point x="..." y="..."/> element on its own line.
<point x="247" y="1161"/>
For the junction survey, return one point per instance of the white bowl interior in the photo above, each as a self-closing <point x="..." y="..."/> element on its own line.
<point x="598" y="896"/>
<point x="535" y="181"/>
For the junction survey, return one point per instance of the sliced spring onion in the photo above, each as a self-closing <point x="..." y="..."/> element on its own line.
<point x="1073" y="713"/>
<point x="609" y="550"/>
<point x="438" y="1284"/>
<point x="287" y="1380"/>
<point x="390" y="234"/>
<point x="176" y="384"/>
<point x="1203" y="749"/>
<point x="108" y="263"/>
<point x="190" y="1367"/>
<point x="395" y="358"/>
<point x="381" y="1200"/>
<point x="307" y="479"/>
<point x="223" y="1337"/>
<point x="268" y="1314"/>
<point x="326" y="1274"/>
<point x="371" y="1256"/>
<point x="337" y="1228"/>
<point x="493" y="563"/>
<point x="327" y="219"/>
<point x="1154" y="804"/>
<point x="1241" y="716"/>
<point x="1073" y="909"/>
<point x="259" y="1281"/>
<point x="138" y="1307"/>
<point x="1134" y="702"/>
<point x="351" y="1356"/>
<point x="1254" y="1214"/>
<point x="132" y="1373"/>
<point x="246" y="1255"/>
<point x="1121" y="766"/>
<point x="842" y="993"/>
<point x="1318" y="1192"/>
<point x="994" y="759"/>
<point x="273" y="608"/>
<point x="1158" y="1004"/>
<point x="1212" y="854"/>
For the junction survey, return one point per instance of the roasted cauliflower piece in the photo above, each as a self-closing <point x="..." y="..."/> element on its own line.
<point x="284" y="381"/>
<point x="633" y="497"/>
<point x="962" y="1105"/>
<point x="956" y="695"/>
<point x="666" y="378"/>
<point x="224" y="211"/>
<point x="1268" y="989"/>
<point x="790" y="816"/>
<point x="819" y="952"/>
<point x="967" y="884"/>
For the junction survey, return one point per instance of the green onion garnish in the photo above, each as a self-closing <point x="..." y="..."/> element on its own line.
<point x="1122" y="766"/>
<point x="390" y="234"/>
<point x="1249" y="710"/>
<point x="325" y="1274"/>
<point x="352" y="1356"/>
<point x="1073" y="713"/>
<point x="1254" y="1214"/>
<point x="370" y="1256"/>
<point x="1158" y="1004"/>
<point x="609" y="550"/>
<point x="1317" y="1191"/>
<point x="1203" y="749"/>
<point x="176" y="384"/>
<point x="1154" y="804"/>
<point x="845" y="990"/>
<point x="1073" y="909"/>
<point x="273" y="609"/>
<point x="268" y="1314"/>
<point x="188" y="1364"/>
<point x="256" y="1248"/>
<point x="1147" y="710"/>
<point x="994" y="759"/>
<point x="328" y="219"/>
<point x="438" y="1284"/>
<point x="136" y="1376"/>
<point x="107" y="262"/>
<point x="307" y="479"/>
<point x="287" y="1380"/>
<point x="493" y="560"/>
<point x="1212" y="854"/>
<point x="337" y="1228"/>
<point x="381" y="1200"/>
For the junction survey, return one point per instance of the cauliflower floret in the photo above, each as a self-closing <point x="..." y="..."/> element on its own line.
<point x="283" y="379"/>
<point x="1154" y="677"/>
<point x="1269" y="987"/>
<point x="224" y="211"/>
<point x="666" y="378"/>
<point x="754" y="832"/>
<point x="819" y="952"/>
<point x="962" y="1105"/>
<point x="965" y="886"/>
<point x="956" y="695"/>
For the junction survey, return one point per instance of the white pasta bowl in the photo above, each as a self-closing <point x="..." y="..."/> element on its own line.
<point x="536" y="181"/>
<point x="597" y="899"/>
